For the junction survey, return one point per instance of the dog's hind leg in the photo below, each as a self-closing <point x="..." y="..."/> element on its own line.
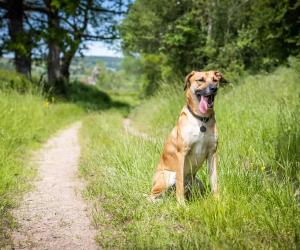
<point x="163" y="180"/>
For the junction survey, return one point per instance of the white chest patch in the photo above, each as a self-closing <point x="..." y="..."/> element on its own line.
<point x="200" y="144"/>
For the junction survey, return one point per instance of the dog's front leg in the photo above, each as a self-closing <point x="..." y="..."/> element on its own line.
<point x="180" y="178"/>
<point x="212" y="169"/>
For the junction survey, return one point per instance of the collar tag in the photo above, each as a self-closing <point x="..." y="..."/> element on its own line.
<point x="202" y="128"/>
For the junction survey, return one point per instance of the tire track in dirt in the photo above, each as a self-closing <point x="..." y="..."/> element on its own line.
<point x="128" y="127"/>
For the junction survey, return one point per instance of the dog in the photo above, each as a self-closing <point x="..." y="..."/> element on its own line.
<point x="193" y="140"/>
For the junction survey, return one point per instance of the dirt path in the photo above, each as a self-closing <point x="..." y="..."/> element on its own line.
<point x="53" y="215"/>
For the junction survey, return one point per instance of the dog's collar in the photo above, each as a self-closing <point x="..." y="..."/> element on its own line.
<point x="201" y="118"/>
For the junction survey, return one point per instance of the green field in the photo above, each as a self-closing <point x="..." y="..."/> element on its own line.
<point x="125" y="107"/>
<point x="258" y="122"/>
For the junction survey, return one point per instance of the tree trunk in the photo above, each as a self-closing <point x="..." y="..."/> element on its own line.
<point x="53" y="60"/>
<point x="53" y="63"/>
<point x="65" y="68"/>
<point x="67" y="59"/>
<point x="74" y="44"/>
<point x="20" y="41"/>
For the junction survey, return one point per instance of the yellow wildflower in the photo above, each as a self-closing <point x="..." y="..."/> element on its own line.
<point x="46" y="104"/>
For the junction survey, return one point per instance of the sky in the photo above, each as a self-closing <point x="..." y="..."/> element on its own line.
<point x="101" y="49"/>
<point x="94" y="49"/>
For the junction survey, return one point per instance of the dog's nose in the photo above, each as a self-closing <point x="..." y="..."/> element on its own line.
<point x="213" y="88"/>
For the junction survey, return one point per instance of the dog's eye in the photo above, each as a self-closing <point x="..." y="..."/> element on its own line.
<point x="200" y="79"/>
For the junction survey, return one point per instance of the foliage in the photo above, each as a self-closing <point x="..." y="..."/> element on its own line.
<point x="58" y="28"/>
<point x="257" y="207"/>
<point x="209" y="34"/>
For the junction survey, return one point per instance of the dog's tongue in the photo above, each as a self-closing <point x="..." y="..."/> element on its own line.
<point x="203" y="105"/>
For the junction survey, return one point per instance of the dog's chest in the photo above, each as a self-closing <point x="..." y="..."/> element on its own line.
<point x="201" y="143"/>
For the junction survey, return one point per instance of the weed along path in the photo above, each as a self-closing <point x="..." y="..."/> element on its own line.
<point x="53" y="215"/>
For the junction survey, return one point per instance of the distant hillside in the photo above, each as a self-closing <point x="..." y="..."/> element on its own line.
<point x="90" y="61"/>
<point x="80" y="67"/>
<point x="6" y="63"/>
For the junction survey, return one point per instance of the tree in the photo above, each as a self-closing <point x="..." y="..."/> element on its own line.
<point x="70" y="24"/>
<point x="65" y="25"/>
<point x="20" y="42"/>
<point x="205" y="34"/>
<point x="271" y="34"/>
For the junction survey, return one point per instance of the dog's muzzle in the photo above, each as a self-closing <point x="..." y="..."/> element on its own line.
<point x="209" y="92"/>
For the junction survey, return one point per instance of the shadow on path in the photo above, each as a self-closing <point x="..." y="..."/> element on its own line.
<point x="91" y="98"/>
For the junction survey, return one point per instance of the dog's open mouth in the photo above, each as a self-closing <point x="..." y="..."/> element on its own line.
<point x="210" y="100"/>
<point x="205" y="102"/>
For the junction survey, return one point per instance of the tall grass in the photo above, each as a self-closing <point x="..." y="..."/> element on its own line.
<point x="258" y="121"/>
<point x="26" y="120"/>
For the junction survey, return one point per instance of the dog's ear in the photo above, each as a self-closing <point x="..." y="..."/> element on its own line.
<point x="187" y="79"/>
<point x="220" y="78"/>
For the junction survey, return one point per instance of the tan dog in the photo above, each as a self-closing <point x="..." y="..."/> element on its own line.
<point x="192" y="140"/>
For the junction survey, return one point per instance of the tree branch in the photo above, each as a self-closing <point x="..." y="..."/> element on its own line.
<point x="35" y="8"/>
<point x="99" y="38"/>
<point x="100" y="9"/>
<point x="86" y="16"/>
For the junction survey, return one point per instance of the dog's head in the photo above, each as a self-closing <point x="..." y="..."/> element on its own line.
<point x="201" y="89"/>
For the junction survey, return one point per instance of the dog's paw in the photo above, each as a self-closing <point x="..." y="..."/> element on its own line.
<point x="181" y="202"/>
<point x="151" y="198"/>
<point x="216" y="195"/>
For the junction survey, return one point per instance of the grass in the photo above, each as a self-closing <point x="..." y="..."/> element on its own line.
<point x="28" y="116"/>
<point x="26" y="120"/>
<point x="258" y="121"/>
